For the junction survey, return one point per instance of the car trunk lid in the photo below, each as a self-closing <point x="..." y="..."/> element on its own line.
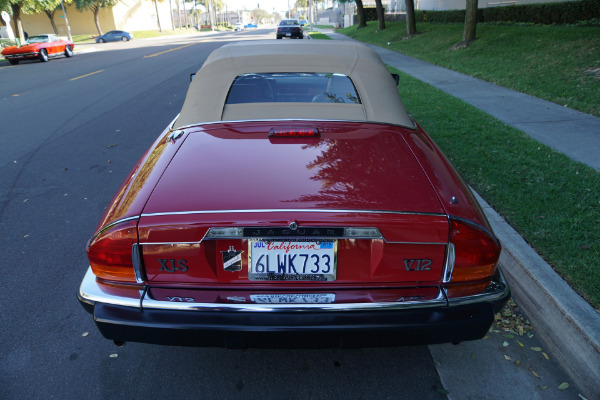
<point x="251" y="188"/>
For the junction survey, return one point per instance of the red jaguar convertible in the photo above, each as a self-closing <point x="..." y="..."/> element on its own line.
<point x="297" y="205"/>
<point x="40" y="47"/>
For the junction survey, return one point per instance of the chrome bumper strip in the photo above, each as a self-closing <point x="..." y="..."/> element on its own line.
<point x="91" y="292"/>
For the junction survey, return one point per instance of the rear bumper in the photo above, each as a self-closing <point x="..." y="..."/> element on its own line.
<point x="440" y="320"/>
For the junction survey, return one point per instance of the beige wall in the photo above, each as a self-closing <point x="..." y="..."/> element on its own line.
<point x="81" y="22"/>
<point x="129" y="15"/>
<point x="139" y="15"/>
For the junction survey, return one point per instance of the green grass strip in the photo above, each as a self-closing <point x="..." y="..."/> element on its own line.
<point x="556" y="63"/>
<point x="552" y="201"/>
<point x="318" y="35"/>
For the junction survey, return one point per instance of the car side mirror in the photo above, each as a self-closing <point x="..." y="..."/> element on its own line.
<point x="192" y="76"/>
<point x="396" y="79"/>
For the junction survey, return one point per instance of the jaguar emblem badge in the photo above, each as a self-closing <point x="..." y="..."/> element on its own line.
<point x="232" y="260"/>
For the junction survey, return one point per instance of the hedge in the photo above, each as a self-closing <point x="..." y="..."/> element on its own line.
<point x="571" y="12"/>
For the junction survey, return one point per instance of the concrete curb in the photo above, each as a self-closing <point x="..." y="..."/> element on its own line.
<point x="564" y="321"/>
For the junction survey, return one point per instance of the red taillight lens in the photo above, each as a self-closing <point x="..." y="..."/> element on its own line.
<point x="476" y="252"/>
<point x="109" y="253"/>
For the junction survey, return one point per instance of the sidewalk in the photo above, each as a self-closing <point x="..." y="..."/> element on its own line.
<point x="566" y="323"/>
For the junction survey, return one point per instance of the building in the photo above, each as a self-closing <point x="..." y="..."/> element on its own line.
<point x="128" y="15"/>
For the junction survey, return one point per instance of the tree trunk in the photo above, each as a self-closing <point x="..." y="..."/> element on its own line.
<point x="16" y="10"/>
<point x="96" y="11"/>
<point x="360" y="10"/>
<point x="171" y="14"/>
<point x="157" y="17"/>
<point x="380" y="15"/>
<point x="470" y="22"/>
<point x="411" y="26"/>
<point x="185" y="15"/>
<point x="210" y="15"/>
<point x="50" y="15"/>
<point x="178" y="15"/>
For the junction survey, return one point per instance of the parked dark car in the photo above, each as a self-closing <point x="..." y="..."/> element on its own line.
<point x="290" y="28"/>
<point x="113" y="36"/>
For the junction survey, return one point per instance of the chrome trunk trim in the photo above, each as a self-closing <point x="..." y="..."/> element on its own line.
<point x="295" y="210"/>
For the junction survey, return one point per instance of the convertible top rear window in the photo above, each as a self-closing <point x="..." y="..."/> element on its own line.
<point x="292" y="88"/>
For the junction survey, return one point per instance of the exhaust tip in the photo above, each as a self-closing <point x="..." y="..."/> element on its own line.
<point x="119" y="343"/>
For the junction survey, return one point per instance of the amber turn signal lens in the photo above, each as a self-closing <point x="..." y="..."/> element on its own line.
<point x="109" y="253"/>
<point x="476" y="252"/>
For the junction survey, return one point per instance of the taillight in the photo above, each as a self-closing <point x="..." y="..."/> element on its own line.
<point x="110" y="252"/>
<point x="476" y="252"/>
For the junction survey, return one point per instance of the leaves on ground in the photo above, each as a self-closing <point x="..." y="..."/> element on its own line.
<point x="511" y="321"/>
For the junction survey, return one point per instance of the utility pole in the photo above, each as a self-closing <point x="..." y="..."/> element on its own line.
<point x="62" y="4"/>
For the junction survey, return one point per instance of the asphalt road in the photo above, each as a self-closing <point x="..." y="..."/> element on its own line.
<point x="70" y="130"/>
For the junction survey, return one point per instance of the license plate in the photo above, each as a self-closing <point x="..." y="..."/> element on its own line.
<point x="288" y="34"/>
<point x="310" y="260"/>
<point x="302" y="298"/>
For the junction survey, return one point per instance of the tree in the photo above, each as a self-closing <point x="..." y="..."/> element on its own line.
<point x="470" y="22"/>
<point x="380" y="15"/>
<point x="157" y="17"/>
<point x="16" y="7"/>
<point x="259" y="15"/>
<point x="411" y="26"/>
<point x="95" y="6"/>
<point x="48" y="7"/>
<point x="360" y="11"/>
<point x="470" y="26"/>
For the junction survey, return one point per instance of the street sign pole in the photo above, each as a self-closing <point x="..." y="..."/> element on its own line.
<point x="62" y="4"/>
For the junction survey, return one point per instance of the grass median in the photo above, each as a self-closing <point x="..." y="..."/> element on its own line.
<point x="552" y="201"/>
<point x="556" y="63"/>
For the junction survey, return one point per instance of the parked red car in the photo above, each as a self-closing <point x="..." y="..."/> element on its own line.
<point x="41" y="47"/>
<point x="297" y="205"/>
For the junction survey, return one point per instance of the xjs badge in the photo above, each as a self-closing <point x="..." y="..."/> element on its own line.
<point x="232" y="260"/>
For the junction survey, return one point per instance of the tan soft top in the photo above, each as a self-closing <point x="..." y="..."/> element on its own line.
<point x="205" y="100"/>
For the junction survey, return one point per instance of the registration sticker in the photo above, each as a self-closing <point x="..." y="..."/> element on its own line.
<point x="295" y="260"/>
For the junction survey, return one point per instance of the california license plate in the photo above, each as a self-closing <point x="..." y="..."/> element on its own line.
<point x="288" y="34"/>
<point x="297" y="260"/>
